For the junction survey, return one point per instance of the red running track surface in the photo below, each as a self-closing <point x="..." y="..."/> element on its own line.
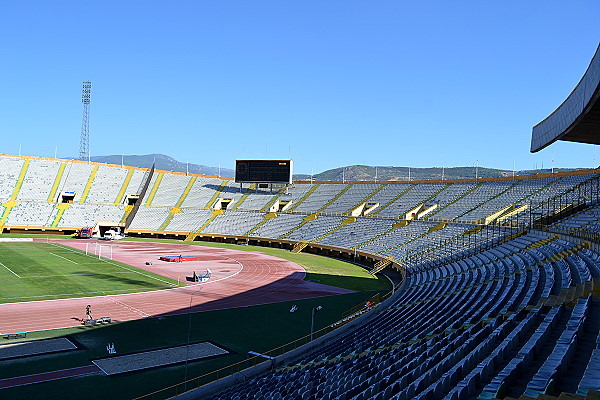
<point x="239" y="278"/>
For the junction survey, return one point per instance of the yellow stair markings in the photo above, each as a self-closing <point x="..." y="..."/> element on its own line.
<point x="273" y="200"/>
<point x="476" y="229"/>
<point x="305" y="220"/>
<point x="437" y="227"/>
<point x="505" y="215"/>
<point x="216" y="195"/>
<point x="541" y="242"/>
<point x="310" y="217"/>
<point x="266" y="217"/>
<point x="393" y="200"/>
<point x="347" y="221"/>
<point x="381" y="265"/>
<point x="213" y="215"/>
<point x="186" y="191"/>
<point x="123" y="188"/>
<point x="405" y="243"/>
<point x="62" y="207"/>
<point x="491" y="198"/>
<point x="312" y="189"/>
<point x="445" y="243"/>
<point x="9" y="205"/>
<point x="365" y="199"/>
<point x="335" y="198"/>
<point x="191" y="237"/>
<point x="509" y="213"/>
<point x="244" y="197"/>
<point x="127" y="211"/>
<point x="540" y="189"/>
<point x="13" y="197"/>
<point x="57" y="180"/>
<point x="172" y="212"/>
<point x="456" y="199"/>
<point x="88" y="186"/>
<point x="395" y="225"/>
<point x="176" y="209"/>
<point x="471" y="231"/>
<point x="154" y="189"/>
<point x="299" y="246"/>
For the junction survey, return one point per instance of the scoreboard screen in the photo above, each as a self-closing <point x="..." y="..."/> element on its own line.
<point x="263" y="171"/>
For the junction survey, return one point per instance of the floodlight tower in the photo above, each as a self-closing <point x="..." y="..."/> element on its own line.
<point x="84" y="141"/>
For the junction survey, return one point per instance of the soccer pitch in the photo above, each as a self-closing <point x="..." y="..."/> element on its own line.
<point x="39" y="271"/>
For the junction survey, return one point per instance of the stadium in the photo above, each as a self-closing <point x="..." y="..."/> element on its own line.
<point x="258" y="287"/>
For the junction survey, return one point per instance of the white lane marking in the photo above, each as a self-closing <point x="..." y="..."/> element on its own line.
<point x="135" y="310"/>
<point x="81" y="274"/>
<point x="77" y="251"/>
<point x="64" y="258"/>
<point x="11" y="271"/>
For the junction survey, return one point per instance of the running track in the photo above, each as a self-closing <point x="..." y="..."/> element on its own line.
<point x="240" y="278"/>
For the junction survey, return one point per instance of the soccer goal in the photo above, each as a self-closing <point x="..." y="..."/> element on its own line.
<point x="100" y="250"/>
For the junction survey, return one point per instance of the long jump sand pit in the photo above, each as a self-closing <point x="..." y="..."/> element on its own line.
<point x="37" y="347"/>
<point x="158" y="358"/>
<point x="239" y="278"/>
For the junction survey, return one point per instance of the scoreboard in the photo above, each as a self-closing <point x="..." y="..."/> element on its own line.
<point x="263" y="171"/>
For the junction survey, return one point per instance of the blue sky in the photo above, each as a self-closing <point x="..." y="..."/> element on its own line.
<point x="328" y="84"/>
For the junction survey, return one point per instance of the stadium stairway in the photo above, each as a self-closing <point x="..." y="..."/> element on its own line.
<point x="510" y="211"/>
<point x="214" y="214"/>
<point x="299" y="246"/>
<point x="54" y="189"/>
<point x="61" y="207"/>
<point x="244" y="197"/>
<point x="437" y="210"/>
<point x="216" y="195"/>
<point x="345" y="222"/>
<point x="8" y="206"/>
<point x="308" y="193"/>
<point x="488" y="200"/>
<point x="266" y="217"/>
<point x="381" y="265"/>
<point x="305" y="220"/>
<point x="334" y="198"/>
<point x="396" y="225"/>
<point x="399" y="195"/>
<point x="124" y="186"/>
<point x="364" y="200"/>
<point x="154" y="189"/>
<point x="88" y="185"/>
<point x="126" y="211"/>
<point x="267" y="206"/>
<point x="177" y="208"/>
<point x="416" y="237"/>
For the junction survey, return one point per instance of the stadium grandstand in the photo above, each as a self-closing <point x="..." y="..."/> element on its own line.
<point x="498" y="290"/>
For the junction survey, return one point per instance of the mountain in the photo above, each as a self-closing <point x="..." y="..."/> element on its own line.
<point x="163" y="162"/>
<point x="349" y="173"/>
<point x="368" y="173"/>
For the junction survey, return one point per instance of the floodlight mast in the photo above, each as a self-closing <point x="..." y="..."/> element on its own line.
<point x="84" y="141"/>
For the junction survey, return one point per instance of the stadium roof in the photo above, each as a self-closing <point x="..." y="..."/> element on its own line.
<point x="577" y="119"/>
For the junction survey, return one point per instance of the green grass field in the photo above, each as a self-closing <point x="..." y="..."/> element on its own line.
<point x="39" y="271"/>
<point x="325" y="270"/>
<point x="25" y="270"/>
